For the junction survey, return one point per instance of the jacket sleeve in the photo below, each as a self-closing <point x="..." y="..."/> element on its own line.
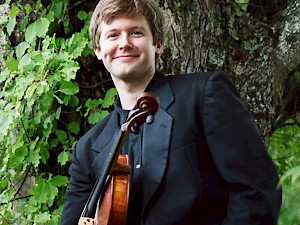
<point x="81" y="184"/>
<point x="239" y="155"/>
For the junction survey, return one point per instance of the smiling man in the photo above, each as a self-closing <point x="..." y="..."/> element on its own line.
<point x="200" y="161"/>
<point x="127" y="49"/>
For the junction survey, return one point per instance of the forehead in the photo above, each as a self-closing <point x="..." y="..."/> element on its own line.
<point x="125" y="22"/>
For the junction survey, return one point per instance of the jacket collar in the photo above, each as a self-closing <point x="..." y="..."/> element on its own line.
<point x="161" y="87"/>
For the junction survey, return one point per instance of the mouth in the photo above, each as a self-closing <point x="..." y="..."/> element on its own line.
<point x="125" y="56"/>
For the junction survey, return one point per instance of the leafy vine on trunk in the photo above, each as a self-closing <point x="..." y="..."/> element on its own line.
<point x="53" y="89"/>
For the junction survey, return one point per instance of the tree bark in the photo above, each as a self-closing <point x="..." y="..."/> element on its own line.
<point x="259" y="52"/>
<point x="259" y="48"/>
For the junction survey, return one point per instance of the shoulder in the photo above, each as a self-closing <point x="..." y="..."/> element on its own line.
<point x="199" y="77"/>
<point x="198" y="81"/>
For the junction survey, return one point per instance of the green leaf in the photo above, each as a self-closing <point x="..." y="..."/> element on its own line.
<point x="74" y="101"/>
<point x="37" y="29"/>
<point x="28" y="9"/>
<point x="12" y="64"/>
<point x="3" y="183"/>
<point x="58" y="99"/>
<point x="42" y="27"/>
<point x="58" y="10"/>
<point x="73" y="127"/>
<point x="58" y="112"/>
<point x="11" y="25"/>
<point x="50" y="17"/>
<point x="5" y="123"/>
<point x="5" y="196"/>
<point x="69" y="88"/>
<point x="61" y="136"/>
<point x="82" y="15"/>
<point x="76" y="44"/>
<point x="293" y="173"/>
<point x="178" y="3"/>
<point x="297" y="75"/>
<point x="109" y="98"/>
<point x="24" y="24"/>
<point x="93" y="103"/>
<point x="88" y="51"/>
<point x="69" y="72"/>
<point x="25" y="61"/>
<point x="63" y="158"/>
<point x="97" y="116"/>
<point x="63" y="56"/>
<point x="38" y="5"/>
<point x="60" y="181"/>
<point x="48" y="125"/>
<point x="53" y="143"/>
<point x="44" y="153"/>
<point x="46" y="101"/>
<point x="45" y="191"/>
<point x="42" y="217"/>
<point x="20" y="154"/>
<point x="31" y="33"/>
<point x="243" y="4"/>
<point x="37" y="118"/>
<point x="46" y="43"/>
<point x="34" y="158"/>
<point x="21" y="48"/>
<point x="66" y="99"/>
<point x="14" y="11"/>
<point x="68" y="27"/>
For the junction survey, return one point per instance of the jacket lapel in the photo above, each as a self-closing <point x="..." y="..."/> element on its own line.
<point x="103" y="143"/>
<point x="156" y="141"/>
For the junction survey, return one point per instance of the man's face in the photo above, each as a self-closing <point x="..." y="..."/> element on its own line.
<point x="127" y="49"/>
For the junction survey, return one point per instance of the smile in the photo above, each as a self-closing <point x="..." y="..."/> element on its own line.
<point x="125" y="56"/>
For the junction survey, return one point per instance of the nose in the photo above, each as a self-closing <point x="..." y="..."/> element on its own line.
<point x="125" y="42"/>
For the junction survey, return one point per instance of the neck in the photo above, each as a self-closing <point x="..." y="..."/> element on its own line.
<point x="130" y="91"/>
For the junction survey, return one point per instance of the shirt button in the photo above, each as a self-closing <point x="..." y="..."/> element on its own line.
<point x="137" y="166"/>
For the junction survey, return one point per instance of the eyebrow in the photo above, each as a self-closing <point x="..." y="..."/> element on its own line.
<point x="130" y="28"/>
<point x="138" y="27"/>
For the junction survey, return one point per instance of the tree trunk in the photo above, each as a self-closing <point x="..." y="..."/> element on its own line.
<point x="258" y="47"/>
<point x="258" y="51"/>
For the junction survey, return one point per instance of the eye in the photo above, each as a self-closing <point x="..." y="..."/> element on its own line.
<point x="112" y="35"/>
<point x="137" y="33"/>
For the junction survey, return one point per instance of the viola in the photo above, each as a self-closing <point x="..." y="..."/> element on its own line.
<point x="108" y="201"/>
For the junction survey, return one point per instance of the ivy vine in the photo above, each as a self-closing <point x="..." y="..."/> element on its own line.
<point x="38" y="83"/>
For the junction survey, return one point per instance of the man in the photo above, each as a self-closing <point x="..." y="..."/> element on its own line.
<point x="200" y="161"/>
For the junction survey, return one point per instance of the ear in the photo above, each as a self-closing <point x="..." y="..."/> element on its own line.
<point x="159" y="47"/>
<point x="98" y="53"/>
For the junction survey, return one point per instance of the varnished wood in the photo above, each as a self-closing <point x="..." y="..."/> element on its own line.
<point x="113" y="210"/>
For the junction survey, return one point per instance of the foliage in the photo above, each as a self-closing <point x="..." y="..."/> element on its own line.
<point x="39" y="93"/>
<point x="243" y="4"/>
<point x="297" y="76"/>
<point x="178" y="3"/>
<point x="41" y="114"/>
<point x="284" y="149"/>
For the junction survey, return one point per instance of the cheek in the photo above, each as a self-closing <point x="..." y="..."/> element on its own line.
<point x="107" y="50"/>
<point x="151" y="51"/>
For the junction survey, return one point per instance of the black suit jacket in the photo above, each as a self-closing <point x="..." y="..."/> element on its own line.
<point x="203" y="159"/>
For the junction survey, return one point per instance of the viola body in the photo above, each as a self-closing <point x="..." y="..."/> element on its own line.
<point x="113" y="209"/>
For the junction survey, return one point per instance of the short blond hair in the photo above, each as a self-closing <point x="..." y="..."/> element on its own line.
<point x="107" y="10"/>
